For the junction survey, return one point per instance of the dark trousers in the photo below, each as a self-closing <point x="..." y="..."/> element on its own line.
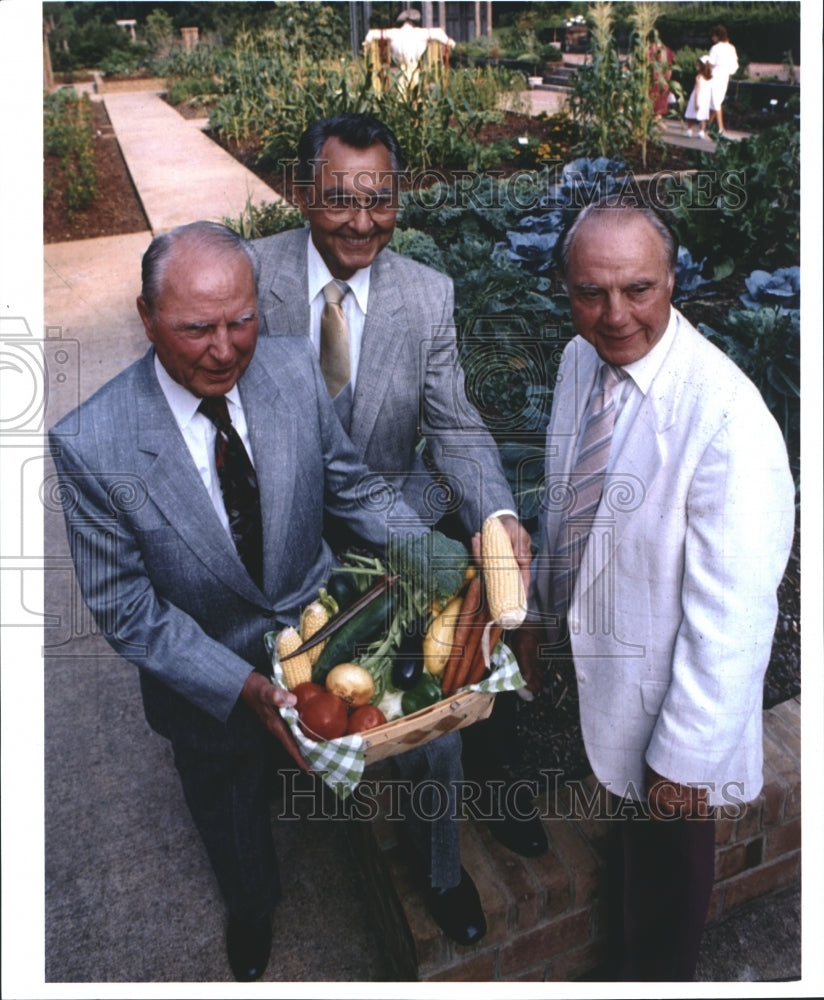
<point x="430" y="809"/>
<point x="227" y="796"/>
<point x="660" y="876"/>
<point x="490" y="746"/>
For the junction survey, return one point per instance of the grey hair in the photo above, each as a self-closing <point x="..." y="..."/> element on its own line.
<point x="614" y="205"/>
<point x="202" y="234"/>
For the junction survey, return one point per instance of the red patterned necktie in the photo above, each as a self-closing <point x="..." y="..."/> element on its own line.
<point x="239" y="486"/>
<point x="587" y="484"/>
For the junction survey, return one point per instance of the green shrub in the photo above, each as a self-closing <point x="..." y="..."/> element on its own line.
<point x="265" y="219"/>
<point x="190" y="87"/>
<point x="748" y="215"/>
<point x="67" y="133"/>
<point x="761" y="31"/>
<point x="122" y="62"/>
<point x="765" y="344"/>
<point x="81" y="38"/>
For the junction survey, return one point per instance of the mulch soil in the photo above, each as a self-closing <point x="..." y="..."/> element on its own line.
<point x="548" y="727"/>
<point x="116" y="208"/>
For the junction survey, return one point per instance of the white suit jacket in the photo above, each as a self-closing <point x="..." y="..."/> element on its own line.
<point x="672" y="616"/>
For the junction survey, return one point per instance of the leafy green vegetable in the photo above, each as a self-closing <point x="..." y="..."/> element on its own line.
<point x="430" y="568"/>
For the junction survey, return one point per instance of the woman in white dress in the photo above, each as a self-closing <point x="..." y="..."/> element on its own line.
<point x="724" y="62"/>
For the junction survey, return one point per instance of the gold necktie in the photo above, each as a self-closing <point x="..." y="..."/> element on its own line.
<point x="334" y="340"/>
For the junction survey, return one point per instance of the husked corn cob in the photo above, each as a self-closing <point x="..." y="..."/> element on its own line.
<point x="502" y="576"/>
<point x="314" y="617"/>
<point x="298" y="669"/>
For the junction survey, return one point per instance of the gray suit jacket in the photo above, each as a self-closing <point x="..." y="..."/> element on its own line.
<point x="155" y="565"/>
<point x="409" y="382"/>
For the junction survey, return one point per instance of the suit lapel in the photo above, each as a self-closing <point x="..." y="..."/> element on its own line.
<point x="572" y="390"/>
<point x="381" y="347"/>
<point x="273" y="436"/>
<point x="284" y="305"/>
<point x="176" y="488"/>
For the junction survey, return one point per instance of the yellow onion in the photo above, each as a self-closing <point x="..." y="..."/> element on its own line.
<point x="351" y="683"/>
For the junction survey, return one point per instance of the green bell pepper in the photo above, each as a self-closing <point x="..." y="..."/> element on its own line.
<point x="426" y="692"/>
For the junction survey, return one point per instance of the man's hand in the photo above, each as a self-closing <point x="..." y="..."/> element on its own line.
<point x="265" y="698"/>
<point x="521" y="545"/>
<point x="522" y="641"/>
<point x="669" y="799"/>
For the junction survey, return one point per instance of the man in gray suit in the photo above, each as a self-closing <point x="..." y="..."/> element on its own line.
<point x="165" y="566"/>
<point x="404" y="405"/>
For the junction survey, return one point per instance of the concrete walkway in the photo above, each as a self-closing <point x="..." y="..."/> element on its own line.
<point x="129" y="895"/>
<point x="180" y="174"/>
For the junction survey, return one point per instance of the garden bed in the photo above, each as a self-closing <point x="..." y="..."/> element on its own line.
<point x="506" y="132"/>
<point x="116" y="208"/>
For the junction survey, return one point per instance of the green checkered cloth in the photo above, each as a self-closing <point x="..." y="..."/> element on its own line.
<point x="341" y="762"/>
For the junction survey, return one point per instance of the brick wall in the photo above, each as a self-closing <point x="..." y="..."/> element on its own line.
<point x="546" y="916"/>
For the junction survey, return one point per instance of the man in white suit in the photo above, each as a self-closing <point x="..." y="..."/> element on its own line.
<point x="669" y="615"/>
<point x="405" y="406"/>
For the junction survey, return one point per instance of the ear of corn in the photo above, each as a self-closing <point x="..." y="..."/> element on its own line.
<point x="299" y="668"/>
<point x="502" y="576"/>
<point x="314" y="617"/>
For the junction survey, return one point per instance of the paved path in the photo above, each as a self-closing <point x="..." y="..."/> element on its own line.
<point x="129" y="896"/>
<point x="180" y="173"/>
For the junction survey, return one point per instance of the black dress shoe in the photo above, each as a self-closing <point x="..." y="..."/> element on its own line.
<point x="458" y="911"/>
<point x="518" y="827"/>
<point x="248" y="944"/>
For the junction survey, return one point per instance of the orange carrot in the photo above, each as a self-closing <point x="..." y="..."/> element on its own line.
<point x="472" y="648"/>
<point x="472" y="602"/>
<point x="478" y="666"/>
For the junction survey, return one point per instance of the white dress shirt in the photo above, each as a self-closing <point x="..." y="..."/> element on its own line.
<point x="631" y="391"/>
<point x="199" y="432"/>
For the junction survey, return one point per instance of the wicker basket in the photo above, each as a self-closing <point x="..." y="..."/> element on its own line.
<point x="455" y="712"/>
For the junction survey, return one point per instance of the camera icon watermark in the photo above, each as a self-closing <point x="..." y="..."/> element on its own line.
<point x="31" y="369"/>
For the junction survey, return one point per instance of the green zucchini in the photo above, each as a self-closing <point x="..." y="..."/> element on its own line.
<point x="371" y="622"/>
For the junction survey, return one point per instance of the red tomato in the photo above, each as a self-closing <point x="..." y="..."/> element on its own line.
<point x="304" y="692"/>
<point x="324" y="717"/>
<point x="365" y="717"/>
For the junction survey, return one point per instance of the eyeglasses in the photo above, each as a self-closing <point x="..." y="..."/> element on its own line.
<point x="342" y="205"/>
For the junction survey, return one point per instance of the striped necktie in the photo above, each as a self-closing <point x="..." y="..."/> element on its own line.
<point x="239" y="486"/>
<point x="587" y="484"/>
